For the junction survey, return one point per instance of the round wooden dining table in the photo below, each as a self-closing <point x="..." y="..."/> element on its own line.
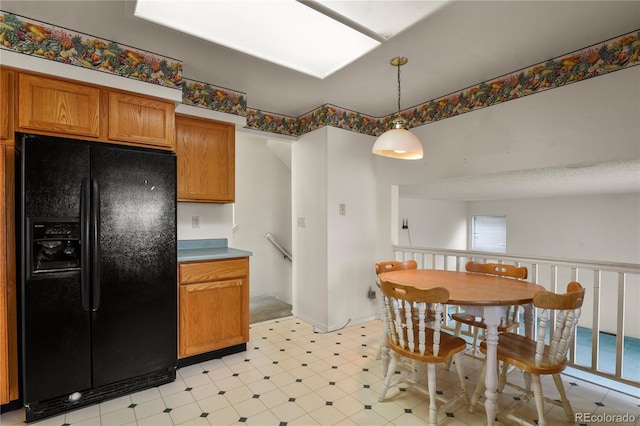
<point x="482" y="295"/>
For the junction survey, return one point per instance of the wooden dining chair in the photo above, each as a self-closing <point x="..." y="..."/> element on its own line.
<point x="381" y="267"/>
<point x="546" y="355"/>
<point x="511" y="320"/>
<point x="409" y="335"/>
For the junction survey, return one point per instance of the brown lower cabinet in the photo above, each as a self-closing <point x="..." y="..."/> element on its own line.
<point x="214" y="305"/>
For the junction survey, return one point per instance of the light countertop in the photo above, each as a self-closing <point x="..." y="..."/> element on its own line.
<point x="211" y="249"/>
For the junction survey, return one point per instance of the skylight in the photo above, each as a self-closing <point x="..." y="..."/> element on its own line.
<point x="313" y="37"/>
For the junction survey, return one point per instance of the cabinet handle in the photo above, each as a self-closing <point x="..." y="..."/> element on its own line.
<point x="213" y="286"/>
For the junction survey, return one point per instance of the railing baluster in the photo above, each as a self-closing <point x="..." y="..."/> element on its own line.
<point x="595" y="322"/>
<point x="620" y="329"/>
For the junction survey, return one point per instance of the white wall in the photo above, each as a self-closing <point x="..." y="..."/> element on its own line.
<point x="352" y="236"/>
<point x="593" y="120"/>
<point x="309" y="234"/>
<point x="598" y="227"/>
<point x="216" y="221"/>
<point x="433" y="223"/>
<point x="333" y="266"/>
<point x="263" y="204"/>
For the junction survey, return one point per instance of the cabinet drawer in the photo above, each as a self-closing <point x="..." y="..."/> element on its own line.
<point x="199" y="272"/>
<point x="58" y="106"/>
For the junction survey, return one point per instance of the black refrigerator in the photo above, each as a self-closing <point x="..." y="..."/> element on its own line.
<point x="97" y="249"/>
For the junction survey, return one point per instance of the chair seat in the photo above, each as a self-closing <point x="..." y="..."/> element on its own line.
<point x="507" y="324"/>
<point x="449" y="346"/>
<point x="520" y="351"/>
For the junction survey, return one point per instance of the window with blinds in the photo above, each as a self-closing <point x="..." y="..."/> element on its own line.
<point x="489" y="233"/>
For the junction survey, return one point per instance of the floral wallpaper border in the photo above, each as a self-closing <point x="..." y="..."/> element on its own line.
<point x="599" y="59"/>
<point x="208" y="96"/>
<point x="36" y="38"/>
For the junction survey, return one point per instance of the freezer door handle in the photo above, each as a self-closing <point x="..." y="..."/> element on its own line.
<point x="95" y="243"/>
<point x="85" y="245"/>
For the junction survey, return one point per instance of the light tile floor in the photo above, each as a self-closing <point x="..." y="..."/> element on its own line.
<point x="291" y="375"/>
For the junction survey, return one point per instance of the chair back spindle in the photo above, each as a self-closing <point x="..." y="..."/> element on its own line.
<point x="539" y="357"/>
<point x="567" y="309"/>
<point x="413" y="324"/>
<point x="408" y="311"/>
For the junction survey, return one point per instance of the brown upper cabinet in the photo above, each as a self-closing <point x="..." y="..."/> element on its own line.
<point x="50" y="105"/>
<point x="59" y="107"/>
<point x="206" y="160"/>
<point x="141" y="120"/>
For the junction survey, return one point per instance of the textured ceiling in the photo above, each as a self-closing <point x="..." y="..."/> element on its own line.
<point x="608" y="177"/>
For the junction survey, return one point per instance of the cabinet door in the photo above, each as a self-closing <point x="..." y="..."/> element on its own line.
<point x="141" y="120"/>
<point x="58" y="106"/>
<point x="206" y="160"/>
<point x="213" y="315"/>
<point x="6" y="106"/>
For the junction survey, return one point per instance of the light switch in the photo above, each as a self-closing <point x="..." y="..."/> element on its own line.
<point x="195" y="221"/>
<point x="301" y="222"/>
<point x="343" y="209"/>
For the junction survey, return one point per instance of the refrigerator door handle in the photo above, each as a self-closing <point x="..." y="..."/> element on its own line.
<point x="85" y="245"/>
<point x="95" y="243"/>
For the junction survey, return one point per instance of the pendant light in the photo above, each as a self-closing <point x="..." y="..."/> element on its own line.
<point x="398" y="142"/>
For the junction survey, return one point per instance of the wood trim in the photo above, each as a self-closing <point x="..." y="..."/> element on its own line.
<point x="8" y="296"/>
<point x="11" y="273"/>
<point x="7" y="93"/>
<point x="4" y="326"/>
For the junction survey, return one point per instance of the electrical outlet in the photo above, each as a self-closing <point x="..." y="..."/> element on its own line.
<point x="371" y="294"/>
<point x="343" y="209"/>
<point x="195" y="221"/>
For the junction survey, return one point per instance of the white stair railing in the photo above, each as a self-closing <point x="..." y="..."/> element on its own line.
<point x="610" y="315"/>
<point x="275" y="242"/>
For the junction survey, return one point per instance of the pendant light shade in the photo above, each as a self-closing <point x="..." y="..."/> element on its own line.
<point x="398" y="142"/>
